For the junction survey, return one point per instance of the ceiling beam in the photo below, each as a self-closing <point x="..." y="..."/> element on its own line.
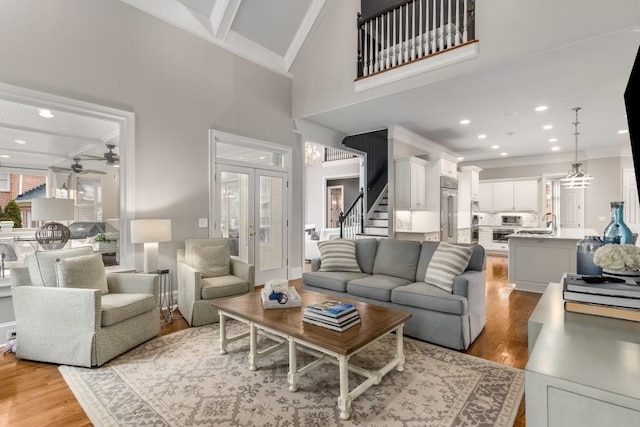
<point x="47" y="132"/>
<point x="222" y="16"/>
<point x="304" y="29"/>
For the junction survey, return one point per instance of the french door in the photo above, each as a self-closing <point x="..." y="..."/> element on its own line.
<point x="253" y="215"/>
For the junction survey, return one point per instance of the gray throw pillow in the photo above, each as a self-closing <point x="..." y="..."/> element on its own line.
<point x="42" y="264"/>
<point x="338" y="255"/>
<point x="447" y="262"/>
<point x="191" y="244"/>
<point x="211" y="261"/>
<point x="86" y="272"/>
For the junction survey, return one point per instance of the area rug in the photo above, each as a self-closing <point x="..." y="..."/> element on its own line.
<point x="181" y="380"/>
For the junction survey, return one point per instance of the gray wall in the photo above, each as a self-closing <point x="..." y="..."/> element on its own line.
<point x="606" y="187"/>
<point x="178" y="85"/>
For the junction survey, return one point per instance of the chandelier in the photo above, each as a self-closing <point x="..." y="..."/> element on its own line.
<point x="576" y="177"/>
<point x="311" y="154"/>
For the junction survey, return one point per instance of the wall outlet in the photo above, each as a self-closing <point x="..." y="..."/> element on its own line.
<point x="11" y="335"/>
<point x="203" y="222"/>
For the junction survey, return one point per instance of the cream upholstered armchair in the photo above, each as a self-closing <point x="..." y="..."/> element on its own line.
<point x="69" y="311"/>
<point x="207" y="272"/>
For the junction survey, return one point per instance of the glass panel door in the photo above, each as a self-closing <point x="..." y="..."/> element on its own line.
<point x="253" y="210"/>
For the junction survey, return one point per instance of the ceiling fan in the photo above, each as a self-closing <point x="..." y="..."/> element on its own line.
<point x="76" y="168"/>
<point x="110" y="157"/>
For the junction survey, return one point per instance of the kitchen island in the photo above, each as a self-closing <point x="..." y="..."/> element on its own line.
<point x="540" y="256"/>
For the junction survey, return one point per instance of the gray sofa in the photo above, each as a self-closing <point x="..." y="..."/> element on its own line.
<point x="393" y="274"/>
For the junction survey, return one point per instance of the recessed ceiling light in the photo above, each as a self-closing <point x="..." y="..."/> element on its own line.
<point x="46" y="114"/>
<point x="547" y="127"/>
<point x="504" y="153"/>
<point x="555" y="148"/>
<point x="5" y="156"/>
<point x="482" y="136"/>
<point x="541" y="108"/>
<point x="509" y="114"/>
<point x="460" y="159"/>
<point x="621" y="131"/>
<point x="465" y="122"/>
<point x="262" y="157"/>
<point x="553" y="140"/>
<point x="495" y="147"/>
<point x="20" y="141"/>
<point x="240" y="158"/>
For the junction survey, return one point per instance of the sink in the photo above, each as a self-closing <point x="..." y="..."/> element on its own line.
<point x="543" y="232"/>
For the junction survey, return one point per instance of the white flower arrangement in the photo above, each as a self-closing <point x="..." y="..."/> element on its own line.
<point x="618" y="257"/>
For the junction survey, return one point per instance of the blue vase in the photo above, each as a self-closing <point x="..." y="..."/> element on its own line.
<point x="586" y="248"/>
<point x="617" y="231"/>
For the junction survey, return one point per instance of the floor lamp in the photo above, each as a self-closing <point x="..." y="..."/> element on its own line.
<point x="150" y="232"/>
<point x="52" y="235"/>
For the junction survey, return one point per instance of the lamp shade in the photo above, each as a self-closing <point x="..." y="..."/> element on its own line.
<point x="150" y="230"/>
<point x="52" y="209"/>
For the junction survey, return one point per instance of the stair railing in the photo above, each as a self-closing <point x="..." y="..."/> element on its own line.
<point x="411" y="31"/>
<point x="352" y="221"/>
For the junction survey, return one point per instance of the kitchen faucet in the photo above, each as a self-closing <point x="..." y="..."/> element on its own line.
<point x="554" y="224"/>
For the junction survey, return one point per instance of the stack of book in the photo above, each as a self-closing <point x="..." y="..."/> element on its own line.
<point x="602" y="296"/>
<point x="335" y="315"/>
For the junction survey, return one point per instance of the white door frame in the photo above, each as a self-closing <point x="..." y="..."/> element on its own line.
<point x="216" y="136"/>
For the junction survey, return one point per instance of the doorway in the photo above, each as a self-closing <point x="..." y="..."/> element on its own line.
<point x="250" y="204"/>
<point x="335" y="205"/>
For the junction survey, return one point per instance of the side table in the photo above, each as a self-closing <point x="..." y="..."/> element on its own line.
<point x="166" y="295"/>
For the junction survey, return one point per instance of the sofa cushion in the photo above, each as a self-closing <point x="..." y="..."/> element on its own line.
<point x="366" y="254"/>
<point x="446" y="263"/>
<point x="376" y="287"/>
<point x="397" y="258"/>
<point x="119" y="307"/>
<point x="42" y="264"/>
<point x="427" y="249"/>
<point x="335" y="281"/>
<point x="429" y="298"/>
<point x="338" y="255"/>
<point x="85" y="271"/>
<point x="223" y="286"/>
<point x="189" y="244"/>
<point x="478" y="259"/>
<point x="211" y="261"/>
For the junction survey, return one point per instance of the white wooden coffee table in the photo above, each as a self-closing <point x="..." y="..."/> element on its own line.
<point x="285" y="326"/>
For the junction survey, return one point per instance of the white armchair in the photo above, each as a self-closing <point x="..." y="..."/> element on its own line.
<point x="81" y="326"/>
<point x="196" y="289"/>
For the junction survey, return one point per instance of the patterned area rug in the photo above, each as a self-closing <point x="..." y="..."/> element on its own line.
<point x="181" y="380"/>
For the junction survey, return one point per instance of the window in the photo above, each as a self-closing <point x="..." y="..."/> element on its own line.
<point x="5" y="182"/>
<point x="88" y="199"/>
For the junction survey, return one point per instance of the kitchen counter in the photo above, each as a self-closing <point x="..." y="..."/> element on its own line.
<point x="560" y="234"/>
<point x="537" y="259"/>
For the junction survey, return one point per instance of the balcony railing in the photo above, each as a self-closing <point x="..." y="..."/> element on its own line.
<point x="413" y="31"/>
<point x="331" y="154"/>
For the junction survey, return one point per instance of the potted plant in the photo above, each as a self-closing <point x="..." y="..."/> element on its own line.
<point x="105" y="241"/>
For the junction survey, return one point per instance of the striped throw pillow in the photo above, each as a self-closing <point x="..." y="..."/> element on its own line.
<point x="447" y="262"/>
<point x="338" y="255"/>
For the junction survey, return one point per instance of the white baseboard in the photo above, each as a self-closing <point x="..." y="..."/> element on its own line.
<point x="296" y="273"/>
<point x="5" y="328"/>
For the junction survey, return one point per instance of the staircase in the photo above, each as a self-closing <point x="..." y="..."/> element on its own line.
<point x="377" y="224"/>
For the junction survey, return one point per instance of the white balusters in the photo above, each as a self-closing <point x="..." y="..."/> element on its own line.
<point x="464" y="25"/>
<point x="411" y="31"/>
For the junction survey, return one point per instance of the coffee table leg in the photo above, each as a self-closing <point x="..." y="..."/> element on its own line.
<point x="253" y="346"/>
<point x="400" y="348"/>
<point x="344" y="401"/>
<point x="293" y="366"/>
<point x="223" y="333"/>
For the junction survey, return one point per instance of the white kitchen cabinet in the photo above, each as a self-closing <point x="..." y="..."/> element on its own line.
<point x="503" y="196"/>
<point x="509" y="196"/>
<point x="486" y="197"/>
<point x="485" y="237"/>
<point x="468" y="191"/>
<point x="411" y="184"/>
<point x="464" y="235"/>
<point x="448" y="168"/>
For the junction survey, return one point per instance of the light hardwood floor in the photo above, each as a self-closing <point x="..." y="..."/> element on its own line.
<point x="34" y="394"/>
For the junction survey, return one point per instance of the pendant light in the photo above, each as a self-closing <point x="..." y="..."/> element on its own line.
<point x="576" y="177"/>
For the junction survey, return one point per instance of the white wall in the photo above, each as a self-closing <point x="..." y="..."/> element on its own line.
<point x="325" y="68"/>
<point x="316" y="178"/>
<point x="178" y="85"/>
